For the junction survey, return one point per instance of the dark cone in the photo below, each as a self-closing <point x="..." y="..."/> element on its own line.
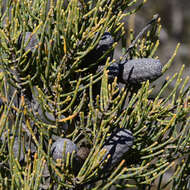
<point x="117" y="145"/>
<point x="139" y="70"/>
<point x="58" y="148"/>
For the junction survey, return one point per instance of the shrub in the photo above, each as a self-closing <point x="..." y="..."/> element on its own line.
<point x="60" y="84"/>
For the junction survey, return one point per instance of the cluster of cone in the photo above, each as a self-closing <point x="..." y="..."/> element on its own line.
<point x="132" y="72"/>
<point x="129" y="72"/>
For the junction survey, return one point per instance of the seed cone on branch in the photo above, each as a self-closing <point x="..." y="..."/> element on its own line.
<point x="30" y="41"/>
<point x="117" y="145"/>
<point x="103" y="46"/>
<point x="136" y="71"/>
<point x="57" y="148"/>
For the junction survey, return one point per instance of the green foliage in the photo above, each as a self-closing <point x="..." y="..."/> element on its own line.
<point x="57" y="75"/>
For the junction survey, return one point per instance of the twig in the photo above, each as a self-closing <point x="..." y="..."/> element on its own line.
<point x="154" y="19"/>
